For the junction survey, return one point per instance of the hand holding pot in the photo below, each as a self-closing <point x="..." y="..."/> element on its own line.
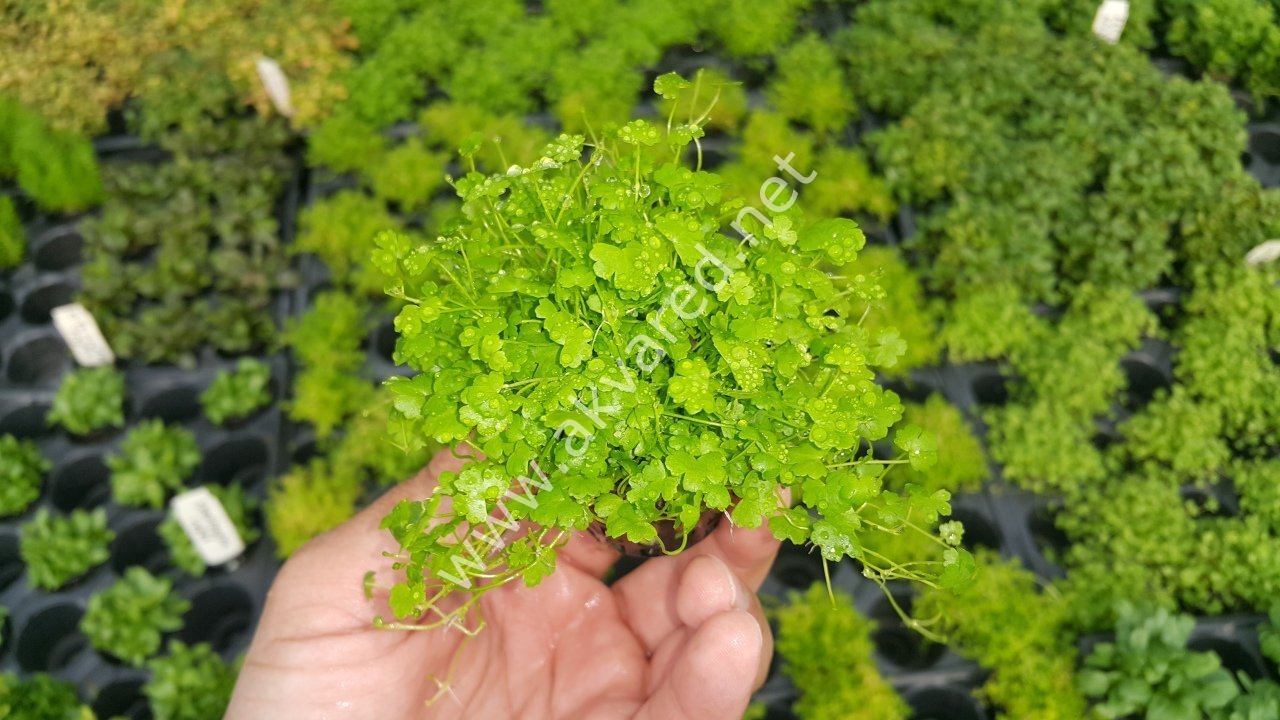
<point x="680" y="637"/>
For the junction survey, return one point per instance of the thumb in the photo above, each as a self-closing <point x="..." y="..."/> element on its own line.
<point x="713" y="675"/>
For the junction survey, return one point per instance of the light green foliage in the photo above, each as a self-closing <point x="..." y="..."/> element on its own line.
<point x="903" y="307"/>
<point x="1269" y="635"/>
<point x="1149" y="671"/>
<point x="154" y="461"/>
<point x="340" y="230"/>
<point x="55" y="167"/>
<point x="325" y="397"/>
<point x="826" y="650"/>
<point x="329" y="333"/>
<point x="961" y="466"/>
<point x="40" y="697"/>
<point x="1020" y="633"/>
<point x="808" y="86"/>
<point x="376" y="445"/>
<point x="128" y="619"/>
<point x="1176" y="438"/>
<point x="1233" y="322"/>
<point x="846" y="184"/>
<point x="987" y="323"/>
<point x="505" y="139"/>
<point x="1076" y="17"/>
<point x="1258" y="484"/>
<point x="237" y="394"/>
<point x="190" y="683"/>
<point x="753" y="27"/>
<point x="22" y="470"/>
<point x="691" y="101"/>
<point x="307" y="501"/>
<point x="535" y="302"/>
<point x="240" y="509"/>
<point x="13" y="239"/>
<point x="1043" y="447"/>
<point x="59" y="549"/>
<point x="345" y="143"/>
<point x="408" y="177"/>
<point x="89" y="399"/>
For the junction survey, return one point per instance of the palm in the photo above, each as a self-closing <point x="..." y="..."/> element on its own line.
<point x="679" y="637"/>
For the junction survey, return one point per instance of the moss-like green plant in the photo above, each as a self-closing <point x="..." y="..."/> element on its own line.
<point x="809" y="87"/>
<point x="59" y="549"/>
<point x="903" y="307"/>
<point x="89" y="399"/>
<point x="307" y="501"/>
<point x="236" y="394"/>
<point x="340" y="231"/>
<point x="154" y="461"/>
<point x="22" y="470"/>
<point x="190" y="683"/>
<point x="826" y="650"/>
<point x="128" y="619"/>
<point x="240" y="509"/>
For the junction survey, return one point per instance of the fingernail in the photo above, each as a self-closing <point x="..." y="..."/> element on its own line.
<point x="741" y="596"/>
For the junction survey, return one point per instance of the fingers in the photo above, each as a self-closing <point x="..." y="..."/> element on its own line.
<point x="713" y="674"/>
<point x="588" y="554"/>
<point x="648" y="597"/>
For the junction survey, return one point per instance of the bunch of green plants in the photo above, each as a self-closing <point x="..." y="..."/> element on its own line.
<point x="903" y="307"/>
<point x="962" y="464"/>
<point x="60" y="548"/>
<point x="1018" y="631"/>
<point x="56" y="168"/>
<point x="40" y="697"/>
<point x="326" y="342"/>
<point x="89" y="399"/>
<point x="827" y="652"/>
<point x="128" y="620"/>
<point x="22" y="470"/>
<point x="154" y="461"/>
<point x="542" y="325"/>
<point x="1148" y="670"/>
<point x="308" y="500"/>
<point x="241" y="510"/>
<point x="190" y="683"/>
<point x="207" y="221"/>
<point x="237" y="394"/>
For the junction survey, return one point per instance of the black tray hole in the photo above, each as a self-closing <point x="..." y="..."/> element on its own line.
<point x="38" y="360"/>
<point x="384" y="340"/>
<point x="1204" y="502"/>
<point x="60" y="251"/>
<point x="304" y="451"/>
<point x="1265" y="144"/>
<point x="1047" y="536"/>
<point x="1235" y="658"/>
<point x="6" y="305"/>
<point x="1144" y="380"/>
<point x="173" y="405"/>
<point x="82" y="483"/>
<point x="798" y="567"/>
<point x="140" y="544"/>
<point x="990" y="389"/>
<point x="27" y="421"/>
<point x="979" y="532"/>
<point x="51" y="639"/>
<point x="38" y="304"/>
<point x="242" y="461"/>
<point x="10" y="561"/>
<point x="943" y="703"/>
<point x="219" y="616"/>
<point x="122" y="699"/>
<point x="898" y="643"/>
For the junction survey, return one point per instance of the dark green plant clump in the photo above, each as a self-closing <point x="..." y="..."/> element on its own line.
<point x="89" y="399"/>
<point x="22" y="470"/>
<point x="154" y="461"/>
<point x="237" y="394"/>
<point x="190" y="683"/>
<point x="129" y="619"/>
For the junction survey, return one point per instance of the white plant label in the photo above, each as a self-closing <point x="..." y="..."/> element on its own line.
<point x="1109" y="23"/>
<point x="276" y="84"/>
<point x="206" y="522"/>
<point x="81" y="333"/>
<point x="1263" y="253"/>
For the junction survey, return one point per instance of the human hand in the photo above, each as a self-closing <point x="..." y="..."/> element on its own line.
<point x="680" y="637"/>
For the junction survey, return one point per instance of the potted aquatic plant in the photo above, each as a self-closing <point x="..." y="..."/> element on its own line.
<point x="617" y="345"/>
